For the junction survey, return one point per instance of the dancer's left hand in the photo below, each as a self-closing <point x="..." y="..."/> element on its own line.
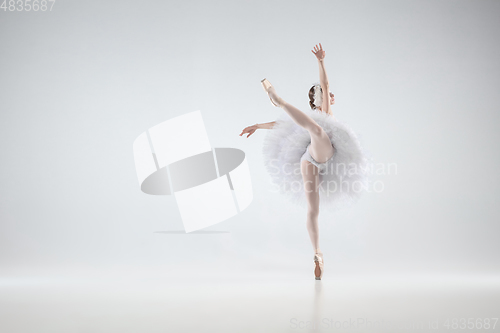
<point x="250" y="130"/>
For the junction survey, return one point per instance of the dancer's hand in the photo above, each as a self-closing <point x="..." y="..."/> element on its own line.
<point x="250" y="130"/>
<point x="318" y="52"/>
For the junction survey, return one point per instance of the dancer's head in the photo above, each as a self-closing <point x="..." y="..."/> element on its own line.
<point x="316" y="97"/>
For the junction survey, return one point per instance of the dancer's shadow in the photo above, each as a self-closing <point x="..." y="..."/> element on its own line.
<point x="317" y="306"/>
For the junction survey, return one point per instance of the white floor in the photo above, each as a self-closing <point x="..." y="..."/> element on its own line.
<point x="251" y="304"/>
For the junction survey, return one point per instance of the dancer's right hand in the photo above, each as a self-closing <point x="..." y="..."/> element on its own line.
<point x="318" y="52"/>
<point x="250" y="130"/>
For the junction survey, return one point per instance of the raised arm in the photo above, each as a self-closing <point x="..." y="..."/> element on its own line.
<point x="323" y="78"/>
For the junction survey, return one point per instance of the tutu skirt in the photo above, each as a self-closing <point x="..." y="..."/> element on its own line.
<point x="343" y="179"/>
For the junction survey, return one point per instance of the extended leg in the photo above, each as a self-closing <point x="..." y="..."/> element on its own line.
<point x="321" y="148"/>
<point x="310" y="176"/>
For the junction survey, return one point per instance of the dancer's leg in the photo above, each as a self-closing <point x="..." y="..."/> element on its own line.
<point x="310" y="176"/>
<point x="321" y="148"/>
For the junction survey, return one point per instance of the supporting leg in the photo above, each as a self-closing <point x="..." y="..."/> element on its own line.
<point x="310" y="176"/>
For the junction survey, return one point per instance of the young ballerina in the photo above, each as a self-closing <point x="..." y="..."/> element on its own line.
<point x="314" y="150"/>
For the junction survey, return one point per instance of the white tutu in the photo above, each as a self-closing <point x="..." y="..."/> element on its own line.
<point x="343" y="181"/>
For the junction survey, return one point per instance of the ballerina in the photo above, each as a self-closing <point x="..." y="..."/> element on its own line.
<point x="317" y="147"/>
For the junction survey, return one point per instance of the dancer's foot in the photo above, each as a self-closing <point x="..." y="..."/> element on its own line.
<point x="318" y="265"/>
<point x="271" y="92"/>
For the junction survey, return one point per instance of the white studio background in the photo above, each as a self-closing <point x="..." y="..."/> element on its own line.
<point x="417" y="80"/>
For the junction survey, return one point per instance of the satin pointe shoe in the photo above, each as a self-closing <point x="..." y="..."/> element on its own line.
<point x="318" y="266"/>
<point x="269" y="89"/>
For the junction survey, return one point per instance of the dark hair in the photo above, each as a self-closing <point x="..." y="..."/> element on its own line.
<point x="311" y="98"/>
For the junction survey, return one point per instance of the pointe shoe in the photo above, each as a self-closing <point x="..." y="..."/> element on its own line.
<point x="268" y="87"/>
<point x="318" y="266"/>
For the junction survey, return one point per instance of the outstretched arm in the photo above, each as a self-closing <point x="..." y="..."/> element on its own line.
<point x="323" y="78"/>
<point x="267" y="125"/>
<point x="251" y="129"/>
